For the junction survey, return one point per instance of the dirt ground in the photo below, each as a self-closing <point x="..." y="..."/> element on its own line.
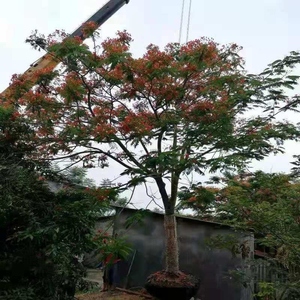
<point x="116" y="295"/>
<point x="96" y="276"/>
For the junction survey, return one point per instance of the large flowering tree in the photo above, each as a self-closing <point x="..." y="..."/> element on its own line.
<point x="167" y="113"/>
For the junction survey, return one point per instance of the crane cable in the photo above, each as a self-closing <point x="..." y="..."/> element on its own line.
<point x="181" y="21"/>
<point x="188" y="21"/>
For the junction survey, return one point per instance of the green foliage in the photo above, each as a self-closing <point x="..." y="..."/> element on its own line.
<point x="112" y="248"/>
<point x="23" y="293"/>
<point x="266" y="290"/>
<point x="201" y="199"/>
<point x="41" y="233"/>
<point x="15" y="136"/>
<point x="268" y="204"/>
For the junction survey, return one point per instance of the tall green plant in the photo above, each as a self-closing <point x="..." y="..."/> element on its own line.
<point x="41" y="233"/>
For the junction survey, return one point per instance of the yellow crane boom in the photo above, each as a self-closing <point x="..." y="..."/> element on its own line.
<point x="49" y="62"/>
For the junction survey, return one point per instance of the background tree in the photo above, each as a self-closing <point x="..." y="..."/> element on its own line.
<point x="75" y="175"/>
<point x="269" y="204"/>
<point x="41" y="233"/>
<point x="199" y="199"/>
<point x="170" y="112"/>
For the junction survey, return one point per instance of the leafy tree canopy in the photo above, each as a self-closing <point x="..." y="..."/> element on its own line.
<point x="182" y="109"/>
<point x="176" y="110"/>
<point x="269" y="205"/>
<point x="41" y="233"/>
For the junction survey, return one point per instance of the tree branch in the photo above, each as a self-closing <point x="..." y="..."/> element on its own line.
<point x="113" y="158"/>
<point x="128" y="153"/>
<point x="169" y="208"/>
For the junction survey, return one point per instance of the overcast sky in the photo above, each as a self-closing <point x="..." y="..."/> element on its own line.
<point x="267" y="30"/>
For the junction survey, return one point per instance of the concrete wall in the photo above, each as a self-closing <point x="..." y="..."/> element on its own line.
<point x="212" y="266"/>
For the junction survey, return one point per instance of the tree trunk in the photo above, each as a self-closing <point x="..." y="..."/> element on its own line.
<point x="171" y="242"/>
<point x="172" y="251"/>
